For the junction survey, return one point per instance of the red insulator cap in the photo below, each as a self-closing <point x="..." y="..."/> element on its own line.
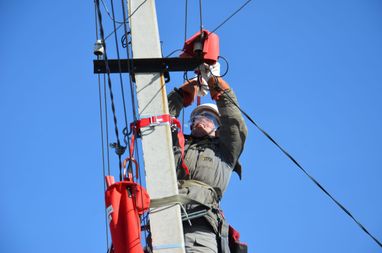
<point x="202" y="44"/>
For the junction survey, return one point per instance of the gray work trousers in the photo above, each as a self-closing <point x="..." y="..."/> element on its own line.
<point x="200" y="239"/>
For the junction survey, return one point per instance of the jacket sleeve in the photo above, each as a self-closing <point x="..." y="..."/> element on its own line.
<point x="175" y="102"/>
<point x="233" y="130"/>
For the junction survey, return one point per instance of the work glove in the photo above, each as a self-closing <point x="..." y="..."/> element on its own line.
<point x="203" y="86"/>
<point x="189" y="90"/>
<point x="217" y="87"/>
<point x="205" y="72"/>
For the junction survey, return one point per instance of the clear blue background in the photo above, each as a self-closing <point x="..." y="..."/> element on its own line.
<point x="309" y="72"/>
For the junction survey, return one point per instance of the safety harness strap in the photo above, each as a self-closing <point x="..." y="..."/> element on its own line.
<point x="157" y="120"/>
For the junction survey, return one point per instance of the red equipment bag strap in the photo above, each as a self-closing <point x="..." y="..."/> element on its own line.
<point x="156" y="121"/>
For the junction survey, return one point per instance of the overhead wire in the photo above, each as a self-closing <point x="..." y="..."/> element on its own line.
<point x="285" y="152"/>
<point x="229" y="17"/>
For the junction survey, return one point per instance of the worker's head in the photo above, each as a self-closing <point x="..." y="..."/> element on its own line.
<point x="204" y="120"/>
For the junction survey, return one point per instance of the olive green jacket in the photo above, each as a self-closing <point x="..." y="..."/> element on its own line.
<point x="212" y="160"/>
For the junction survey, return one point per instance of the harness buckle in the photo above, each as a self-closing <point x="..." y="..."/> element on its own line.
<point x="155" y="120"/>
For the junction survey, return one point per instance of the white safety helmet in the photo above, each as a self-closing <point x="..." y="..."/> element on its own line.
<point x="208" y="110"/>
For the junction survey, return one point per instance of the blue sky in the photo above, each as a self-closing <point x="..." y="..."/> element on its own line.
<point x="309" y="72"/>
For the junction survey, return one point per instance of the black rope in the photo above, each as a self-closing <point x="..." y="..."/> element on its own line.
<point x="233" y="14"/>
<point x="303" y="170"/>
<point x="118" y="148"/>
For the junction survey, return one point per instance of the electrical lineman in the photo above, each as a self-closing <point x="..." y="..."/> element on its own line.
<point x="211" y="154"/>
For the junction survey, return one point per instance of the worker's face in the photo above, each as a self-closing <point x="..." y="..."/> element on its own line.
<point x="202" y="126"/>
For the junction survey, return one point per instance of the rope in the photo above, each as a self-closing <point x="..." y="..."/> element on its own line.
<point x="304" y="171"/>
<point x="118" y="148"/>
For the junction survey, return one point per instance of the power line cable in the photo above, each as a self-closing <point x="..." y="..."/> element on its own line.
<point x="233" y="14"/>
<point x="304" y="171"/>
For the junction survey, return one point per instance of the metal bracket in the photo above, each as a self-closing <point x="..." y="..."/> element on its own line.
<point x="147" y="65"/>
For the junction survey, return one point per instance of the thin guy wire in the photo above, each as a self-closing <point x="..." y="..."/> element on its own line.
<point x="119" y="65"/>
<point x="120" y="25"/>
<point x="102" y="137"/>
<point x="304" y="171"/>
<point x="109" y="82"/>
<point x="233" y="14"/>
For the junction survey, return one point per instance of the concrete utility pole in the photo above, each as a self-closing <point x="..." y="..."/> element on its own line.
<point x="166" y="225"/>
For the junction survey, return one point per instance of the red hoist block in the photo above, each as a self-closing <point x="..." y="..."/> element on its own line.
<point x="125" y="201"/>
<point x="203" y="44"/>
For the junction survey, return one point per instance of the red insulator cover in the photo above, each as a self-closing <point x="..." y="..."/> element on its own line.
<point x="210" y="42"/>
<point x="125" y="201"/>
